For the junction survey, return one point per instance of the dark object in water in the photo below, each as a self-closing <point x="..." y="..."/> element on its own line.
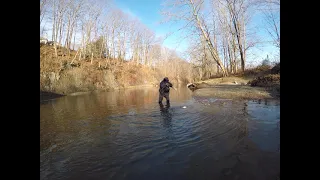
<point x="44" y="95"/>
<point x="191" y="86"/>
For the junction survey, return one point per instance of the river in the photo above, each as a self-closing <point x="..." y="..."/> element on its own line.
<point x="126" y="134"/>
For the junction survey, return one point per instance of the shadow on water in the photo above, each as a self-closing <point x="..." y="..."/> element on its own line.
<point x="45" y="96"/>
<point x="128" y="135"/>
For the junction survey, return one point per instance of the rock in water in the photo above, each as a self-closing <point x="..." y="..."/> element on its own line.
<point x="191" y="86"/>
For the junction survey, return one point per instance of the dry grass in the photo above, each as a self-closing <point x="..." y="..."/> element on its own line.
<point x="269" y="80"/>
<point x="257" y="71"/>
<point x="131" y="74"/>
<point x="60" y="76"/>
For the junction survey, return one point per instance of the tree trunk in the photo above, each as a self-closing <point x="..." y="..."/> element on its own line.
<point x="91" y="57"/>
<point x="238" y="34"/>
<point x="208" y="40"/>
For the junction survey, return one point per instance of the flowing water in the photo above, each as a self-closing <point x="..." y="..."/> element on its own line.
<point x="128" y="135"/>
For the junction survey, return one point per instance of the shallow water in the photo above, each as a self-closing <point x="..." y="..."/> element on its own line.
<point x="127" y="135"/>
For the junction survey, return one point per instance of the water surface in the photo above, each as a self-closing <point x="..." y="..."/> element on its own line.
<point x="127" y="135"/>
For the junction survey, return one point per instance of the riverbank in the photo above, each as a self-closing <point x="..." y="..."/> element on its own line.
<point x="237" y="92"/>
<point x="265" y="85"/>
<point x="66" y="75"/>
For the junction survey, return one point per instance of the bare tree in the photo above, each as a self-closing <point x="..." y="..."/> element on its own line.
<point x="43" y="9"/>
<point x="74" y="10"/>
<point x="267" y="2"/>
<point x="237" y="11"/>
<point x="96" y="31"/>
<point x="273" y="22"/>
<point x="148" y="39"/>
<point x="54" y="25"/>
<point x="89" y="24"/>
<point x="189" y="11"/>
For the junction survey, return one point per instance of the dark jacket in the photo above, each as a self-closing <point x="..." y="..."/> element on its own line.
<point x="165" y="86"/>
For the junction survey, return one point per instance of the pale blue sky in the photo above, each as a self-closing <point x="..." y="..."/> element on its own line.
<point x="148" y="11"/>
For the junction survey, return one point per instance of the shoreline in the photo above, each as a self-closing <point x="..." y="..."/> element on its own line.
<point x="236" y="92"/>
<point x="234" y="88"/>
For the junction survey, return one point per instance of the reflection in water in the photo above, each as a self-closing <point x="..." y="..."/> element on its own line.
<point x="166" y="114"/>
<point x="128" y="135"/>
<point x="265" y="129"/>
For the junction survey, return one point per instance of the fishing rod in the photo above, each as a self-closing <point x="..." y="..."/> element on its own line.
<point x="174" y="88"/>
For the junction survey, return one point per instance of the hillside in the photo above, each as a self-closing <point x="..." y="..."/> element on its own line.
<point x="59" y="75"/>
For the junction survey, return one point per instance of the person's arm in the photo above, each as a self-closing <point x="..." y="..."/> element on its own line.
<point x="170" y="84"/>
